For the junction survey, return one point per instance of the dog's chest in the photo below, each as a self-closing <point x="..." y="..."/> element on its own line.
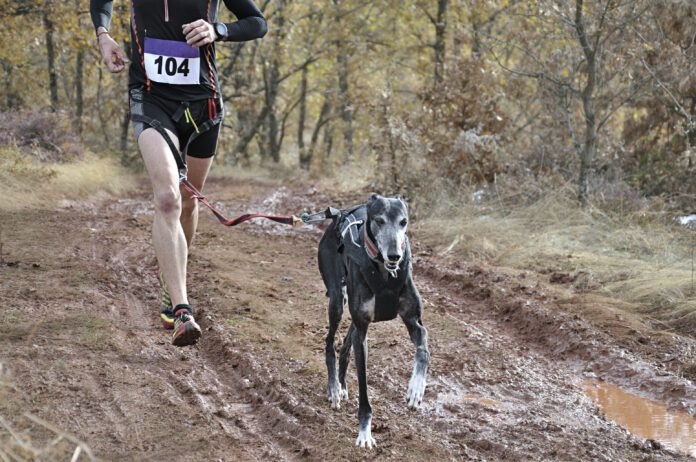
<point x="383" y="302"/>
<point x="384" y="305"/>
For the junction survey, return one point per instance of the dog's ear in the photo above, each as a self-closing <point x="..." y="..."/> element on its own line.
<point x="374" y="197"/>
<point x="402" y="199"/>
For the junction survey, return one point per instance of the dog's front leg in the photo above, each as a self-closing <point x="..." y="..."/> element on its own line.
<point x="343" y="361"/>
<point x="335" y="313"/>
<point x="365" y="439"/>
<point x="411" y="311"/>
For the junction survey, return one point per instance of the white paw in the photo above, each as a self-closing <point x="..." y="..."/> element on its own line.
<point x="335" y="396"/>
<point x="416" y="389"/>
<point x="344" y="394"/>
<point x="365" y="439"/>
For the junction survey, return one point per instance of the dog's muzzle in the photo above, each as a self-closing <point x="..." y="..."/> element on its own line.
<point x="391" y="263"/>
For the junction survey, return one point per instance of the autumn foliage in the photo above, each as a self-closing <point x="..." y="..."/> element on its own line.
<point x="451" y="93"/>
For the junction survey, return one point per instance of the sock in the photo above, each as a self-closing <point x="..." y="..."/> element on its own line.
<point x="183" y="306"/>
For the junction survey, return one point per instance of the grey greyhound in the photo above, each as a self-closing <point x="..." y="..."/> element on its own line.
<point x="365" y="260"/>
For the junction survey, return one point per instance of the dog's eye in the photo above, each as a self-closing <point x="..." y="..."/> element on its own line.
<point x="380" y="221"/>
<point x="404" y="222"/>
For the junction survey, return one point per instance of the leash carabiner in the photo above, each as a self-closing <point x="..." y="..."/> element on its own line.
<point x="328" y="214"/>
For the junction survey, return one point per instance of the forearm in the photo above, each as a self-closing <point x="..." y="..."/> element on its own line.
<point x="100" y="11"/>
<point x="245" y="29"/>
<point x="250" y="25"/>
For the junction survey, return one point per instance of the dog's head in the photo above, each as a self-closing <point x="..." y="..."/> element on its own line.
<point x="387" y="219"/>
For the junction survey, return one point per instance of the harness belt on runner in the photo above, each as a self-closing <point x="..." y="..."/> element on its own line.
<point x="178" y="156"/>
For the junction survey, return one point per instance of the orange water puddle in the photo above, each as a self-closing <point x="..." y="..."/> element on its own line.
<point x="480" y="399"/>
<point x="644" y="418"/>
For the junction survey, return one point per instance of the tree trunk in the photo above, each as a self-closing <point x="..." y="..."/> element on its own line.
<point x="246" y="137"/>
<point x="440" y="29"/>
<point x="51" y="58"/>
<point x="12" y="98"/>
<point x="346" y="106"/>
<point x="321" y="121"/>
<point x="589" y="147"/>
<point x="245" y="119"/>
<point x="302" y="117"/>
<point x="125" y="123"/>
<point x="100" y="113"/>
<point x="272" y="83"/>
<point x="328" y="143"/>
<point x="343" y="89"/>
<point x="79" y="88"/>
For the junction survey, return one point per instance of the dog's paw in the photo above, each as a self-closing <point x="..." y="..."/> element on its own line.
<point x="344" y="394"/>
<point x="365" y="439"/>
<point x="416" y="389"/>
<point x="335" y="396"/>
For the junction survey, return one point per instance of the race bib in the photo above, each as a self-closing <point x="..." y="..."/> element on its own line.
<point x="169" y="61"/>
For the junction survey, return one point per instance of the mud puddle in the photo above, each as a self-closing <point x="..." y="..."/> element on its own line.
<point x="643" y="417"/>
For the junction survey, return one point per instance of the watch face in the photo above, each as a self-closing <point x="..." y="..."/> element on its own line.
<point x="221" y="29"/>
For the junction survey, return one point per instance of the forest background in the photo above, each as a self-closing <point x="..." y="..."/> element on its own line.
<point x="522" y="132"/>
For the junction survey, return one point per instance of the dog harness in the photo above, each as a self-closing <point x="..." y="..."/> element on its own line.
<point x="357" y="245"/>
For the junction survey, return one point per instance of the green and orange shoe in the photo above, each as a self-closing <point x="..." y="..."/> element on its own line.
<point x="166" y="312"/>
<point x="186" y="330"/>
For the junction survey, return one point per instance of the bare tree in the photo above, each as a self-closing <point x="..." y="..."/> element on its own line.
<point x="577" y="57"/>
<point x="51" y="55"/>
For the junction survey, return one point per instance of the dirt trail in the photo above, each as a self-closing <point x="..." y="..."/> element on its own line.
<point x="84" y="348"/>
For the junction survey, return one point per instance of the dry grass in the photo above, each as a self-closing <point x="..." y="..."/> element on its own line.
<point x="643" y="258"/>
<point x="29" y="438"/>
<point x="27" y="182"/>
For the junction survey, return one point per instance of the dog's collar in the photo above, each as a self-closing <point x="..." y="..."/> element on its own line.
<point x="370" y="246"/>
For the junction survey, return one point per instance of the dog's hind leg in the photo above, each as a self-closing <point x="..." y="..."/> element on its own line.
<point x="365" y="439"/>
<point x="335" y="314"/>
<point x="343" y="361"/>
<point x="411" y="311"/>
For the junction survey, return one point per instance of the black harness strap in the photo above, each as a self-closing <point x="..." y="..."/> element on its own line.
<point x="179" y="156"/>
<point x="157" y="125"/>
<point x="350" y="230"/>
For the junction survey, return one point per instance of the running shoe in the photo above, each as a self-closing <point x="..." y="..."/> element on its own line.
<point x="186" y="330"/>
<point x="166" y="312"/>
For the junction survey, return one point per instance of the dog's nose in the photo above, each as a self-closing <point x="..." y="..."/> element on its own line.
<point x="394" y="257"/>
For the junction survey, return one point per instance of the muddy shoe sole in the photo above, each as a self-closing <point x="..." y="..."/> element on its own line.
<point x="187" y="334"/>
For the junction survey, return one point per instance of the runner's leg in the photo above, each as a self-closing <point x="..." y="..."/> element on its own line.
<point x="197" y="173"/>
<point x="167" y="235"/>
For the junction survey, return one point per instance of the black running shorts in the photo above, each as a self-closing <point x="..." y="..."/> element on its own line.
<point x="174" y="116"/>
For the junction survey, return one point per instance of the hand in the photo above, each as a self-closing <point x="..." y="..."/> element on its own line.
<point x="199" y="33"/>
<point x="112" y="55"/>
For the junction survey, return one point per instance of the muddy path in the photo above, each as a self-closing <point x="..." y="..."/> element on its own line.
<point x="82" y="346"/>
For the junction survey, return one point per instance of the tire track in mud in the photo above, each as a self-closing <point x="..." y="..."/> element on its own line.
<point x="503" y="384"/>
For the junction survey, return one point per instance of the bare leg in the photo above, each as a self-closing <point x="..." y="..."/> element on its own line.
<point x="197" y="173"/>
<point x="167" y="235"/>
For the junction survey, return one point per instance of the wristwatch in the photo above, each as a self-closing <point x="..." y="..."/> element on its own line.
<point x="220" y="30"/>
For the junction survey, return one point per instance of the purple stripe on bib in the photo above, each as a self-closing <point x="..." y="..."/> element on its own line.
<point x="170" y="48"/>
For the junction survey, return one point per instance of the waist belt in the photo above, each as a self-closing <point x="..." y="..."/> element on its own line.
<point x="179" y="156"/>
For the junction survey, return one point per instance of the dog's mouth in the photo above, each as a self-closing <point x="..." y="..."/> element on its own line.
<point x="391" y="266"/>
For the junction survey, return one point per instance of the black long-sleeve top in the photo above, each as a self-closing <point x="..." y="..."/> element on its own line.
<point x="161" y="21"/>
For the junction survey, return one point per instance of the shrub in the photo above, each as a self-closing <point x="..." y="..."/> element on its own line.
<point x="44" y="136"/>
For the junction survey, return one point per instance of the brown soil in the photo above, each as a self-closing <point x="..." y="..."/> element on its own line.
<point x="85" y="350"/>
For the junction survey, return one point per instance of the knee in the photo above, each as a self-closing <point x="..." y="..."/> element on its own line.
<point x="188" y="205"/>
<point x="168" y="202"/>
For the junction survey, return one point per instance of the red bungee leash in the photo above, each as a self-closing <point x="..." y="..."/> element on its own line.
<point x="291" y="220"/>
